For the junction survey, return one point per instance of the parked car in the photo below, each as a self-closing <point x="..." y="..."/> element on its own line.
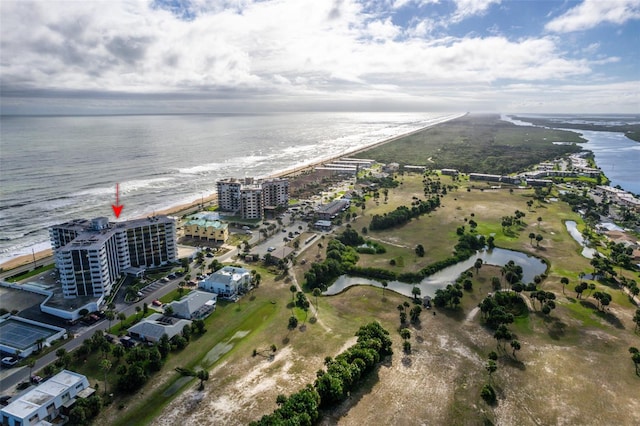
<point x="9" y="361"/>
<point x="4" y="400"/>
<point x="270" y="249"/>
<point x="156" y="303"/>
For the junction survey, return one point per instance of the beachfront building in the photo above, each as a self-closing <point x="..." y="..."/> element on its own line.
<point x="248" y="198"/>
<point x="90" y="263"/>
<point x="275" y="193"/>
<point x="229" y="194"/>
<point x="47" y="403"/>
<point x="251" y="203"/>
<point x="227" y="282"/>
<point x="210" y="230"/>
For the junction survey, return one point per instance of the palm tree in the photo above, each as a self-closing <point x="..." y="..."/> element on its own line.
<point x="316" y="292"/>
<point x="384" y="286"/>
<point x="203" y="375"/>
<point x="478" y="265"/>
<point x="532" y="236"/>
<point x="110" y="316"/>
<point x="564" y="281"/>
<point x="121" y="317"/>
<point x="31" y="364"/>
<point x="293" y="290"/>
<point x="516" y="347"/>
<point x="105" y="366"/>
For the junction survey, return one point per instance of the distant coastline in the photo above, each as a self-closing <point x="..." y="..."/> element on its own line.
<point x="182" y="208"/>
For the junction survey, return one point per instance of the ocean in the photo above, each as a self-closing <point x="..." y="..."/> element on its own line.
<point x="57" y="168"/>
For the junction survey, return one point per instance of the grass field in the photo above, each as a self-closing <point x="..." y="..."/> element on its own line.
<point x="573" y="368"/>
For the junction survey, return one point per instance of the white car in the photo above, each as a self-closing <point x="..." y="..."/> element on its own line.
<point x="9" y="361"/>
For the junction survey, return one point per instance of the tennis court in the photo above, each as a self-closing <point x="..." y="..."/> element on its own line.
<point x="21" y="335"/>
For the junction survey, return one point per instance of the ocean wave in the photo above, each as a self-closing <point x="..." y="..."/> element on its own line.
<point x="201" y="169"/>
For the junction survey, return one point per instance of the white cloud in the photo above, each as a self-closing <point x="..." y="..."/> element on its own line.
<point x="592" y="13"/>
<point x="284" y="51"/>
<point x="467" y="8"/>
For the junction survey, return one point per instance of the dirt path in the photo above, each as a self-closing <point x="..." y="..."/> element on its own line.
<point x="312" y="307"/>
<point x="472" y="314"/>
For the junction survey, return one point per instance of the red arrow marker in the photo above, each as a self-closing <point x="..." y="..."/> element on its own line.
<point x="117" y="207"/>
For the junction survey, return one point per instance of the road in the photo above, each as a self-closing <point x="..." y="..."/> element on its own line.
<point x="11" y="377"/>
<point x="14" y="376"/>
<point x="26" y="268"/>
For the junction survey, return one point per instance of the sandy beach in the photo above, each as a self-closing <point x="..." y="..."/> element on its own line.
<point x="182" y="209"/>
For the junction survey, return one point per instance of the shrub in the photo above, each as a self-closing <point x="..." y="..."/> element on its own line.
<point x="488" y="394"/>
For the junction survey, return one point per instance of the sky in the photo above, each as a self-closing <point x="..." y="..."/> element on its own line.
<point x="199" y="56"/>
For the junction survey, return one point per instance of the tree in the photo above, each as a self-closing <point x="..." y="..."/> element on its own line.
<point x="118" y="352"/>
<point x="532" y="236"/>
<point x="488" y="394"/>
<point x="316" y="292"/>
<point x="538" y="239"/>
<point x="293" y="289"/>
<point x="636" y="319"/>
<point x="384" y="286"/>
<point x="502" y="333"/>
<point x="635" y="357"/>
<point x="168" y="310"/>
<point x="495" y="283"/>
<point x="478" y="265"/>
<point x="105" y="366"/>
<point x="203" y="375"/>
<point x="110" y="316"/>
<point x="414" y="314"/>
<point x="564" y="281"/>
<point x="416" y="292"/>
<point x="31" y="364"/>
<point x="293" y="322"/>
<point x="491" y="367"/>
<point x="121" y="317"/>
<point x="419" y="250"/>
<point x="515" y="345"/>
<point x="138" y="310"/>
<point x="405" y="333"/>
<point x="539" y="220"/>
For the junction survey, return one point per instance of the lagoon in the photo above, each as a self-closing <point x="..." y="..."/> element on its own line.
<point x="531" y="267"/>
<point x="573" y="230"/>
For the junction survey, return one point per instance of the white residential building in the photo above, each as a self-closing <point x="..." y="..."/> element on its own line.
<point x="275" y="193"/>
<point x="195" y="305"/>
<point x="153" y="327"/>
<point x="90" y="256"/>
<point x="43" y="404"/>
<point x="227" y="281"/>
<point x="248" y="198"/>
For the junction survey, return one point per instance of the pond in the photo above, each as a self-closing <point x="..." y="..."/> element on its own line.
<point x="531" y="266"/>
<point x="573" y="230"/>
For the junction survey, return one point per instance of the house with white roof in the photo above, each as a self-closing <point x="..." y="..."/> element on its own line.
<point x="47" y="403"/>
<point x="227" y="281"/>
<point x="195" y="305"/>
<point x="155" y="325"/>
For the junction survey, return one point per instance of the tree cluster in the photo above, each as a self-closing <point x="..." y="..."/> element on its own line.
<point x="343" y="375"/>
<point x="501" y="308"/>
<point x="404" y="214"/>
<point x="340" y="258"/>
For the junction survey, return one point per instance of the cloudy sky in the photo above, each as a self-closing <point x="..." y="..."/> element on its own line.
<point x="290" y="55"/>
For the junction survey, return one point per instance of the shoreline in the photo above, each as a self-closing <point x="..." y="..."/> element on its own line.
<point x="181" y="209"/>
